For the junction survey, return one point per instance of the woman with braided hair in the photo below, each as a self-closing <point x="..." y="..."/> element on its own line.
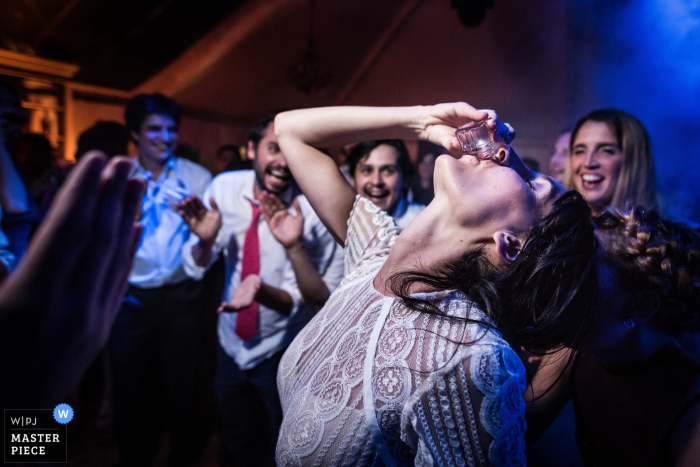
<point x="611" y="164"/>
<point x="635" y="382"/>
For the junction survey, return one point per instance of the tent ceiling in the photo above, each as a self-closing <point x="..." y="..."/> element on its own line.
<point x="229" y="59"/>
<point x="116" y="43"/>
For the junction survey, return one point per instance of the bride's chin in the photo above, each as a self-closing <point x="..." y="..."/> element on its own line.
<point x="444" y="164"/>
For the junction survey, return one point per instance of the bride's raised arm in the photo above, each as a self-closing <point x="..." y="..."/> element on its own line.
<point x="303" y="133"/>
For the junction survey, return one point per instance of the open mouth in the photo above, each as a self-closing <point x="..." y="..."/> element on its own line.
<point x="162" y="148"/>
<point x="591" y="181"/>
<point x="376" y="193"/>
<point x="278" y="177"/>
<point x="280" y="173"/>
<point x="378" y="197"/>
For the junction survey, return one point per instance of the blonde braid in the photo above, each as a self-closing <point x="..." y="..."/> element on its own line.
<point x="660" y="256"/>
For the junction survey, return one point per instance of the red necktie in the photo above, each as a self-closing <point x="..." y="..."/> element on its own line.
<point x="247" y="319"/>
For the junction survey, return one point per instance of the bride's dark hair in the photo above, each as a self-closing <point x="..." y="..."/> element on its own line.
<point x="544" y="299"/>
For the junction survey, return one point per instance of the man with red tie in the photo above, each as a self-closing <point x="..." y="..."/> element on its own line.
<point x="280" y="268"/>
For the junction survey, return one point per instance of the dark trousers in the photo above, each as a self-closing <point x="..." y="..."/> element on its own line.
<point x="156" y="359"/>
<point x="250" y="412"/>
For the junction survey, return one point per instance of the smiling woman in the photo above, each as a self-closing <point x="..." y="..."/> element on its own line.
<point x="409" y="343"/>
<point x="611" y="163"/>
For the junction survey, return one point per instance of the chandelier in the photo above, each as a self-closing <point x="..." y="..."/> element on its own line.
<point x="307" y="74"/>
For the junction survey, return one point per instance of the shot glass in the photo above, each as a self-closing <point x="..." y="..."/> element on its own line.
<point x="475" y="140"/>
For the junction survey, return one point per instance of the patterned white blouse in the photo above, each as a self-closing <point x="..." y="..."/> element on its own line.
<point x="371" y="382"/>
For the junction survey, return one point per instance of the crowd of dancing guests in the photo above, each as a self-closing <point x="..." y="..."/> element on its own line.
<point x="370" y="312"/>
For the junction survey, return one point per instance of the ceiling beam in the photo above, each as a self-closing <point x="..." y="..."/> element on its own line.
<point x="130" y="35"/>
<point x="36" y="64"/>
<point x="56" y="20"/>
<point x="405" y="13"/>
<point x="37" y="12"/>
<point x="206" y="52"/>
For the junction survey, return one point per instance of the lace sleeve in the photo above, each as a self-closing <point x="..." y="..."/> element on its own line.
<point x="473" y="414"/>
<point x="371" y="234"/>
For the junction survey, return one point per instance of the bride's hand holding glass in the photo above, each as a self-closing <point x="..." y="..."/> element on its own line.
<point x="438" y="123"/>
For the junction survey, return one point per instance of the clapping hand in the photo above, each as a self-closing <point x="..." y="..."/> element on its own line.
<point x="244" y="296"/>
<point x="203" y="222"/>
<point x="287" y="228"/>
<point x="57" y="309"/>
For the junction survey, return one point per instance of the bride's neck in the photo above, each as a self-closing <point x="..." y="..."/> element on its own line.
<point x="426" y="245"/>
<point x="407" y="255"/>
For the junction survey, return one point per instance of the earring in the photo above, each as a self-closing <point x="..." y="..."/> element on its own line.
<point x="629" y="323"/>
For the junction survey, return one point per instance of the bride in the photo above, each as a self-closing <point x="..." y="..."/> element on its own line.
<point x="411" y="360"/>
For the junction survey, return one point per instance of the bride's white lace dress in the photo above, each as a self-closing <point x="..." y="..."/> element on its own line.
<point x="370" y="382"/>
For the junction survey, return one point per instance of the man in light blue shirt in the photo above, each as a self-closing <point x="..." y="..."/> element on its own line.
<point x="7" y="259"/>
<point x="14" y="200"/>
<point x="155" y="342"/>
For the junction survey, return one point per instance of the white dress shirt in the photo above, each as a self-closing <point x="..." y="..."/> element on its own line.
<point x="233" y="193"/>
<point x="158" y="260"/>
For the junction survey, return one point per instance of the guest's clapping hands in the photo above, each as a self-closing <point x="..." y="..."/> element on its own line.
<point x="437" y="123"/>
<point x="57" y="309"/>
<point x="203" y="222"/>
<point x="244" y="296"/>
<point x="287" y="228"/>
